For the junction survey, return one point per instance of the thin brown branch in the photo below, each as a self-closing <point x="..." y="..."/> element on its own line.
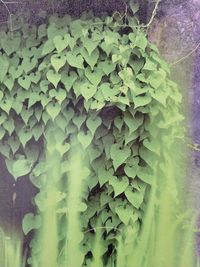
<point x="186" y="56"/>
<point x="6" y="3"/>
<point x="153" y="15"/>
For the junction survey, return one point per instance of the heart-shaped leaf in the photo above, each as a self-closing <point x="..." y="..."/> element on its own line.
<point x="25" y="81"/>
<point x="133" y="122"/>
<point x="61" y="42"/>
<point x="79" y="120"/>
<point x="152" y="145"/>
<point x="89" y="44"/>
<point x="124" y="213"/>
<point x="29" y="64"/>
<point x="85" y="139"/>
<point x="107" y="66"/>
<point x="16" y="72"/>
<point x="10" y="45"/>
<point x="58" y="61"/>
<point x="92" y="58"/>
<point x="19" y="167"/>
<point x="53" y="77"/>
<point x="30" y="222"/>
<point x="140" y="101"/>
<point x="119" y="154"/>
<point x="75" y="60"/>
<point x="48" y="47"/>
<point x="68" y="80"/>
<point x="14" y="144"/>
<point x="135" y="198"/>
<point x="24" y="136"/>
<point x="9" y="125"/>
<point x="9" y="82"/>
<point x="94" y="76"/>
<point x="119" y="185"/>
<point x="53" y="110"/>
<point x="88" y="90"/>
<point x="6" y="105"/>
<point x="93" y="124"/>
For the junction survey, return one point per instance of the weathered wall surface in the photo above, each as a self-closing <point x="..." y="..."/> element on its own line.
<point x="177" y="34"/>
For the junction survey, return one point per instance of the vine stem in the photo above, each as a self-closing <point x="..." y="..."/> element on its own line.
<point x="153" y="14"/>
<point x="5" y="3"/>
<point x="186" y="56"/>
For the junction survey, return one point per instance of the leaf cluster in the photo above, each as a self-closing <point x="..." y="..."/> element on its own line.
<point x="107" y="85"/>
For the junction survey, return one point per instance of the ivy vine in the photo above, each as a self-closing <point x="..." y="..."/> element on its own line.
<point x="105" y="84"/>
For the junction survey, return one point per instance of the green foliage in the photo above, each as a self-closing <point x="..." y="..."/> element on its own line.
<point x="105" y="84"/>
<point x="11" y="250"/>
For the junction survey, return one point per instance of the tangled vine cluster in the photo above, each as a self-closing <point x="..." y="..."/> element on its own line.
<point x="107" y="86"/>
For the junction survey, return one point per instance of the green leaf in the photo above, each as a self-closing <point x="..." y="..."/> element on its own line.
<point x="103" y="174"/>
<point x="30" y="222"/>
<point x="119" y="154"/>
<point x="24" y="136"/>
<point x="118" y="121"/>
<point x="159" y="95"/>
<point x="109" y="94"/>
<point x="19" y="167"/>
<point x="135" y="198"/>
<point x="137" y="65"/>
<point x="6" y="105"/>
<point x="93" y="124"/>
<point x="59" y="95"/>
<point x="119" y="185"/>
<point x="53" y="77"/>
<point x="107" y="66"/>
<point x="53" y="110"/>
<point x="29" y="64"/>
<point x="25" y="81"/>
<point x="2" y="133"/>
<point x="140" y="101"/>
<point x="89" y="44"/>
<point x="88" y="90"/>
<point x="16" y="72"/>
<point x="1" y="95"/>
<point x="26" y="113"/>
<point x="134" y="6"/>
<point x="94" y="76"/>
<point x="141" y="41"/>
<point x="9" y="125"/>
<point x="68" y="80"/>
<point x="37" y="132"/>
<point x="9" y="82"/>
<point x="85" y="139"/>
<point x="58" y="61"/>
<point x="92" y="58"/>
<point x="14" y="143"/>
<point x="124" y="213"/>
<point x="10" y="45"/>
<point x="75" y="60"/>
<point x="79" y="120"/>
<point x="4" y="63"/>
<point x="145" y="175"/>
<point x="62" y="42"/>
<point x="48" y="47"/>
<point x="149" y="65"/>
<point x="131" y="167"/>
<point x="133" y="122"/>
<point x="152" y="145"/>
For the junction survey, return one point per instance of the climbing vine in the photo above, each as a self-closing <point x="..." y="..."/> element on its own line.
<point x="104" y="84"/>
